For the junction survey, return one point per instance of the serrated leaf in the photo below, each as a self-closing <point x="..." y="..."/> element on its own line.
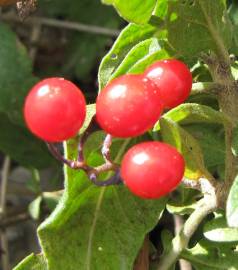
<point x="175" y="135"/>
<point x="190" y="113"/>
<point x="32" y="262"/>
<point x="133" y="10"/>
<point x="127" y="39"/>
<point x="212" y="256"/>
<point x="218" y="231"/>
<point x="232" y="205"/>
<point x="196" y="26"/>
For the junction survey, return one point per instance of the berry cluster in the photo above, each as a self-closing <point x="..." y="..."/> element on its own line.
<point x="130" y="105"/>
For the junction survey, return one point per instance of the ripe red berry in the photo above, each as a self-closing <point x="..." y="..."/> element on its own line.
<point x="152" y="169"/>
<point x="174" y="80"/>
<point x="55" y="109"/>
<point x="128" y="106"/>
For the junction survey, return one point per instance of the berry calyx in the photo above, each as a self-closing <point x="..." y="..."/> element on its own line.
<point x="174" y="80"/>
<point x="55" y="109"/>
<point x="152" y="169"/>
<point x="128" y="106"/>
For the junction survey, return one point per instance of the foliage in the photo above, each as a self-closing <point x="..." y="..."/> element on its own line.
<point x="104" y="228"/>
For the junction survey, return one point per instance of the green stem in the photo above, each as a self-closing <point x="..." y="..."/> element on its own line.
<point x="181" y="240"/>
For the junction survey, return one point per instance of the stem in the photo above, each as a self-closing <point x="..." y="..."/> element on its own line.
<point x="93" y="29"/>
<point x="178" y="225"/>
<point x="181" y="240"/>
<point x="4" y="239"/>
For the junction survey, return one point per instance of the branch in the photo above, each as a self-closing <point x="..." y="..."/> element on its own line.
<point x="178" y="224"/>
<point x="4" y="180"/>
<point x="93" y="29"/>
<point x="205" y="206"/>
<point x="4" y="240"/>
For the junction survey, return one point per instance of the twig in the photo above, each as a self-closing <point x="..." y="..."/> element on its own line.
<point x="80" y="163"/>
<point x="35" y="36"/>
<point x="13" y="220"/>
<point x="4" y="240"/>
<point x="205" y="206"/>
<point x="178" y="225"/>
<point x="4" y="180"/>
<point x="64" y="24"/>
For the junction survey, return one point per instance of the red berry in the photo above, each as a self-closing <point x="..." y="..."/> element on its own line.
<point x="174" y="80"/>
<point x="152" y="169"/>
<point x="55" y="109"/>
<point x="128" y="106"/>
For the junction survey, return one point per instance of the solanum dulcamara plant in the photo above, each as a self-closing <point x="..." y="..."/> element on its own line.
<point x="160" y="140"/>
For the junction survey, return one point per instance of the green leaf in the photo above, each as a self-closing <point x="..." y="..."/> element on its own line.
<point x="190" y="113"/>
<point x="23" y="147"/>
<point x="83" y="49"/>
<point x="138" y="52"/>
<point x="32" y="262"/>
<point x="211" y="138"/>
<point x="179" y="209"/>
<point x="104" y="226"/>
<point x="133" y="10"/>
<point x="15" y="74"/>
<point x="208" y="255"/>
<point x="90" y="112"/>
<point x="196" y="26"/>
<point x="128" y="38"/>
<point x="35" y="207"/>
<point x="232" y="205"/>
<point x="218" y="231"/>
<point x="173" y="134"/>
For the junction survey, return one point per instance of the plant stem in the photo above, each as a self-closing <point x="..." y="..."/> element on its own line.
<point x="93" y="29"/>
<point x="181" y="240"/>
<point x="4" y="240"/>
<point x="178" y="225"/>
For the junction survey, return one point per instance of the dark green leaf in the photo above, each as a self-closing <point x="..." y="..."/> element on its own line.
<point x="211" y="138"/>
<point x="133" y="10"/>
<point x="104" y="226"/>
<point x="198" y="25"/>
<point x="173" y="134"/>
<point x="15" y="74"/>
<point x="23" y="147"/>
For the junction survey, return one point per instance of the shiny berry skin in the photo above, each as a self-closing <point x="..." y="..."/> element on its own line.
<point x="152" y="169"/>
<point x="128" y="106"/>
<point x="55" y="109"/>
<point x="174" y="80"/>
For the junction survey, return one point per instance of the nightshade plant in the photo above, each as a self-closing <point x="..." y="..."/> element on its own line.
<point x="105" y="227"/>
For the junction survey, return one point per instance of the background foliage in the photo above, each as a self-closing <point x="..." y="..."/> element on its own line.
<point x="104" y="228"/>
